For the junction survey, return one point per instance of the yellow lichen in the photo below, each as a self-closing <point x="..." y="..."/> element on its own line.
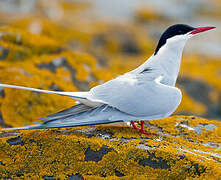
<point x="62" y="153"/>
<point x="38" y="52"/>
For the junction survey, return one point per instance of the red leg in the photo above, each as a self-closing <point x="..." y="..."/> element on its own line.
<point x="143" y="131"/>
<point x="133" y="125"/>
<point x="142" y="128"/>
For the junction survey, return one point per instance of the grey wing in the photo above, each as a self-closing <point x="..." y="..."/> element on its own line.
<point x="79" y="108"/>
<point x="100" y="115"/>
<point x="138" y="97"/>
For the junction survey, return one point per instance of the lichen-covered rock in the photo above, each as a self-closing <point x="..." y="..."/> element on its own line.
<point x="184" y="148"/>
<point x="41" y="65"/>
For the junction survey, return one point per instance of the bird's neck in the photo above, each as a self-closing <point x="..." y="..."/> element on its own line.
<point x="167" y="61"/>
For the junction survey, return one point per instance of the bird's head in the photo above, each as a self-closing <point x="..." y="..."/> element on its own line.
<point x="178" y="34"/>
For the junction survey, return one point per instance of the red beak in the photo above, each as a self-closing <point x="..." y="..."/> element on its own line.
<point x="201" y="29"/>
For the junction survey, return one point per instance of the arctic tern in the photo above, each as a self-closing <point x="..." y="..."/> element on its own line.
<point x="146" y="93"/>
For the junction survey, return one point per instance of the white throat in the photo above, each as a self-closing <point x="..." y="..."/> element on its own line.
<point x="167" y="60"/>
<point x="169" y="56"/>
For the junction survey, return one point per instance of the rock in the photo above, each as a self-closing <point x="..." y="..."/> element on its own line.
<point x="178" y="151"/>
<point x="39" y="65"/>
<point x="91" y="155"/>
<point x="4" y="53"/>
<point x="76" y="177"/>
<point x="15" y="141"/>
<point x="201" y="92"/>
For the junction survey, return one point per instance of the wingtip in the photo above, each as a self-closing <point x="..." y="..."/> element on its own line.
<point x="36" y="126"/>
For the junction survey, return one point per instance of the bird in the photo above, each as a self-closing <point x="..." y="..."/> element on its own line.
<point x="145" y="93"/>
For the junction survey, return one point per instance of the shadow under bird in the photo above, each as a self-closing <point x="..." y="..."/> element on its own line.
<point x="145" y="93"/>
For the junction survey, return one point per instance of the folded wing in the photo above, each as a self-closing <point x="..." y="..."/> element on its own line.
<point x="138" y="97"/>
<point x="101" y="115"/>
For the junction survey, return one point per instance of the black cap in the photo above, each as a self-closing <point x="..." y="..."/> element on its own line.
<point x="177" y="29"/>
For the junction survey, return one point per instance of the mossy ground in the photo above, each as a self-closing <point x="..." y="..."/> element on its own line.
<point x="115" y="151"/>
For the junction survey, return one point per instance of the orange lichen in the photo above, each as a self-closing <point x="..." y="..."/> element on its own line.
<point x="22" y="44"/>
<point x="119" y="47"/>
<point x="64" y="35"/>
<point x="27" y="63"/>
<point x="206" y="69"/>
<point x="123" y="152"/>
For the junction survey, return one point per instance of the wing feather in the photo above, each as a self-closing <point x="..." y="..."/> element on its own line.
<point x="100" y="115"/>
<point x="138" y="96"/>
<point x="79" y="108"/>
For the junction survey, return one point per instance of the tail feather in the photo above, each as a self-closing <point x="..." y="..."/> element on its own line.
<point x="79" y="95"/>
<point x="35" y="126"/>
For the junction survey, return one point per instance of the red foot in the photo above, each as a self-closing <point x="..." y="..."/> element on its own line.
<point x="146" y="132"/>
<point x="142" y="128"/>
<point x="134" y="126"/>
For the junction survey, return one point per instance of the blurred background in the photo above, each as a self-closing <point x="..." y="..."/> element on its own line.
<point x="72" y="45"/>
